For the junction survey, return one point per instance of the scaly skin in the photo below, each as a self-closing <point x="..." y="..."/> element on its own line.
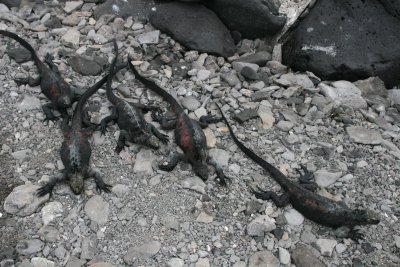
<point x="129" y="117"/>
<point x="76" y="151"/>
<point x="189" y="135"/>
<point x="313" y="206"/>
<point x="51" y="83"/>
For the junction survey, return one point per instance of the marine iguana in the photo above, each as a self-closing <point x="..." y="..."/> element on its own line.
<point x="75" y="150"/>
<point x="51" y="83"/>
<point x="130" y="120"/>
<point x="313" y="206"/>
<point x="189" y="135"/>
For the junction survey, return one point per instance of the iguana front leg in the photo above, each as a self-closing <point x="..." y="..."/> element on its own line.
<point x="112" y="117"/>
<point x="205" y="120"/>
<point x="100" y="184"/>
<point x="169" y="166"/>
<point x="48" y="188"/>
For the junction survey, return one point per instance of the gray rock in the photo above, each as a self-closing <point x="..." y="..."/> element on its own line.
<point x="205" y="217"/>
<point x="231" y="78"/>
<point x="50" y="211"/>
<point x="326" y="246"/>
<point x="84" y="65"/>
<point x="397" y="240"/>
<point x="48" y="233"/>
<point x="190" y="102"/>
<point x="291" y="79"/>
<point x="23" y="201"/>
<point x="245" y="115"/>
<point x="75" y="262"/>
<point x="192" y="25"/>
<point x="7" y="263"/>
<point x="303" y="256"/>
<point x="21" y="155"/>
<point x="143" y="162"/>
<point x="363" y="135"/>
<point x="152" y="37"/>
<point x="308" y="237"/>
<point x="260" y="95"/>
<point x="344" y="93"/>
<point x="72" y="6"/>
<point x="29" y="103"/>
<point x="89" y="247"/>
<point x="266" y="116"/>
<point x="203" y="75"/>
<point x="261" y="225"/>
<point x="60" y="252"/>
<point x="195" y="184"/>
<point x="175" y="262"/>
<point x="260" y="58"/>
<point x="394" y="96"/>
<point x="170" y="222"/>
<point x="284" y="125"/>
<point x="120" y="190"/>
<point x="102" y="264"/>
<point x="29" y="246"/>
<point x="249" y="73"/>
<point x="203" y="262"/>
<point x="263" y="259"/>
<point x="97" y="209"/>
<point x="71" y="38"/>
<point x="284" y="256"/>
<point x="19" y="54"/>
<point x="144" y="251"/>
<point x="238" y="66"/>
<point x="42" y="262"/>
<point x="340" y="248"/>
<point x="372" y="86"/>
<point x="325" y="178"/>
<point x="276" y="67"/>
<point x="135" y="8"/>
<point x="293" y="217"/>
<point x="219" y="156"/>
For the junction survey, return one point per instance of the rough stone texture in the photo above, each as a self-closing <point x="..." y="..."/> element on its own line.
<point x="29" y="246"/>
<point x="260" y="58"/>
<point x="135" y="8"/>
<point x="97" y="209"/>
<point x="261" y="225"/>
<point x="23" y="201"/>
<point x="19" y="54"/>
<point x="293" y="217"/>
<point x="303" y="256"/>
<point x="263" y="259"/>
<point x="147" y="250"/>
<point x="85" y="66"/>
<point x="371" y="86"/>
<point x="392" y="6"/>
<point x="194" y="26"/>
<point x="326" y="246"/>
<point x="344" y="93"/>
<point x="50" y="211"/>
<point x="325" y="178"/>
<point x="266" y="19"/>
<point x="363" y="135"/>
<point x="245" y="115"/>
<point x="335" y="37"/>
<point x="29" y="103"/>
<point x="143" y="162"/>
<point x="42" y="262"/>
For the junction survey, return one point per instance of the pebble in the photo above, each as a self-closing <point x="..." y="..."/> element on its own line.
<point x="88" y="246"/>
<point x="245" y="115"/>
<point x="149" y="37"/>
<point x="144" y="251"/>
<point x="340" y="248"/>
<point x="266" y="116"/>
<point x="303" y="256"/>
<point x="204" y="217"/>
<point x="276" y="67"/>
<point x="175" y="262"/>
<point x="143" y="162"/>
<point x="23" y="201"/>
<point x="326" y="246"/>
<point x="261" y="225"/>
<point x="48" y="233"/>
<point x="42" y="262"/>
<point x="325" y="178"/>
<point x="21" y="155"/>
<point x="263" y="259"/>
<point x="249" y="73"/>
<point x="344" y="93"/>
<point x="102" y="264"/>
<point x="293" y="217"/>
<point x="195" y="184"/>
<point x="29" y="103"/>
<point x="203" y="262"/>
<point x="219" y="156"/>
<point x="211" y="139"/>
<point x="71" y="38"/>
<point x="29" y="246"/>
<point x="291" y="79"/>
<point x="97" y="209"/>
<point x="120" y="190"/>
<point x="284" y="125"/>
<point x="203" y="75"/>
<point x="72" y="6"/>
<point x="363" y="135"/>
<point x="284" y="256"/>
<point x="238" y="66"/>
<point x="190" y="102"/>
<point x="50" y="211"/>
<point x="397" y="240"/>
<point x="170" y="222"/>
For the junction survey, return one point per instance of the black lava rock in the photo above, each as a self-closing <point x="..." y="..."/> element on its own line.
<point x="194" y="26"/>
<point x="342" y="39"/>
<point x="252" y="18"/>
<point x="19" y="54"/>
<point x="85" y="66"/>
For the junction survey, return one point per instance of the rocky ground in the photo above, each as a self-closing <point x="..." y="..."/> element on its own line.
<point x="347" y="133"/>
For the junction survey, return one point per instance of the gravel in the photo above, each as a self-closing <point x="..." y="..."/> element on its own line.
<point x="157" y="218"/>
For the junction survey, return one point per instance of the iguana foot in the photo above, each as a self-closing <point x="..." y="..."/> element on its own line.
<point x="355" y="235"/>
<point x="44" y="190"/>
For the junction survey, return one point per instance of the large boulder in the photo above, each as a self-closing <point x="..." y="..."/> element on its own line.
<point x="252" y="18"/>
<point x="194" y="26"/>
<point x="125" y="8"/>
<point x="346" y="40"/>
<point x="392" y="6"/>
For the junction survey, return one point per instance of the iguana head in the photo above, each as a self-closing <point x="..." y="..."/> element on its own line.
<point x="76" y="183"/>
<point x="363" y="217"/>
